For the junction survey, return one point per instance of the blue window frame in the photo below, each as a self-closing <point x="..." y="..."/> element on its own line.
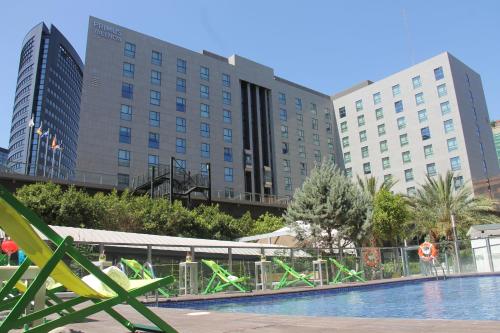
<point x="422" y="116"/>
<point x="226" y="97"/>
<point x="455" y="163"/>
<point x="445" y="108"/>
<point x="204" y="91"/>
<point x="431" y="169"/>
<point x="452" y="144"/>
<point x="396" y="90"/>
<point x="205" y="150"/>
<point x="180" y="104"/>
<point x="298" y="104"/>
<point x="342" y="112"/>
<point x="228" y="174"/>
<point x="228" y="154"/>
<point x="226" y="80"/>
<point x="156" y="57"/>
<point x="154" y="140"/>
<point x="125" y="134"/>
<point x="123" y="158"/>
<point x="204" y="110"/>
<point x="282" y="98"/>
<point x="180" y="125"/>
<point x="205" y="130"/>
<point x="377" y="98"/>
<point x="181" y="66"/>
<point x="154" y="97"/>
<point x="204" y="169"/>
<point x="155" y="77"/>
<point x="441" y="90"/>
<point x="154" y="119"/>
<point x="180" y="145"/>
<point x="228" y="135"/>
<point x="204" y="73"/>
<point x="128" y="70"/>
<point x="153" y="160"/>
<point x="398" y="106"/>
<point x="129" y="50"/>
<point x="180" y="85"/>
<point x="419" y="98"/>
<point x="417" y="82"/>
<point x="127" y="90"/>
<point x="227" y="116"/>
<point x="438" y="73"/>
<point x="126" y="112"/>
<point x="425" y="133"/>
<point x="448" y="126"/>
<point x="123" y="179"/>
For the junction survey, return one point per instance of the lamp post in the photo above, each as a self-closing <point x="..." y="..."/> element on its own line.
<point x="455" y="241"/>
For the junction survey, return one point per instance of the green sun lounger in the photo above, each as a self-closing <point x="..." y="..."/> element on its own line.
<point x="139" y="271"/>
<point x="296" y="276"/>
<point x="350" y="274"/>
<point x="222" y="279"/>
<point x="20" y="224"/>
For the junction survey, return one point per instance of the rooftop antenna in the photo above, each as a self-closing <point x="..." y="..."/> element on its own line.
<point x="408" y="36"/>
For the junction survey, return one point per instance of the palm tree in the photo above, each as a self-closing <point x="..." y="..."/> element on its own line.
<point x="370" y="185"/>
<point x="437" y="200"/>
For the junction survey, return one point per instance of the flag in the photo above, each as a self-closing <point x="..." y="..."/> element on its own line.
<point x="39" y="131"/>
<point x="31" y="123"/>
<point x="44" y="134"/>
<point x="54" y="143"/>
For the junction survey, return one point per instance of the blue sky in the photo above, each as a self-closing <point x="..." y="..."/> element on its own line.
<point x="325" y="45"/>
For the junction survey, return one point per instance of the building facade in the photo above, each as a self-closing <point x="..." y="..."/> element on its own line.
<point x="4" y="154"/>
<point x="425" y="120"/>
<point x="496" y="137"/>
<point x="145" y="100"/>
<point x="46" y="105"/>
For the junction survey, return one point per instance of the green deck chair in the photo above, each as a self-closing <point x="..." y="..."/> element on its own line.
<point x="20" y="224"/>
<point x="138" y="271"/>
<point x="350" y="273"/>
<point x="289" y="271"/>
<point x="221" y="279"/>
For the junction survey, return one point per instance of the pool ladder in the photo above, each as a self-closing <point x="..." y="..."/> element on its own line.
<point x="436" y="271"/>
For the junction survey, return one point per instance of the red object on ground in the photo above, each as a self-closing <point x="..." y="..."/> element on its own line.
<point x="9" y="247"/>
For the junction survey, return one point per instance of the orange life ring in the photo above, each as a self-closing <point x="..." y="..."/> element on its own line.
<point x="427" y="251"/>
<point x="372" y="257"/>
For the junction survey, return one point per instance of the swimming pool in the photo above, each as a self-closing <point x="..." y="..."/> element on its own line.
<point x="471" y="298"/>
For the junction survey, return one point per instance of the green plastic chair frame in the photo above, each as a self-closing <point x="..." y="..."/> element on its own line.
<point x="17" y="319"/>
<point x="289" y="271"/>
<point x="351" y="274"/>
<point x="220" y="279"/>
<point x="140" y="271"/>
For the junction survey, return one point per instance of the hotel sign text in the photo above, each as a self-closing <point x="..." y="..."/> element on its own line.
<point x="106" y="31"/>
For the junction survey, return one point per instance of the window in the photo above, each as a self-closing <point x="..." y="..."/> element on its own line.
<point x="285" y="148"/>
<point x="181" y="66"/>
<point x="123" y="158"/>
<point x="398" y="106"/>
<point x="361" y="120"/>
<point x="386" y="163"/>
<point x="403" y="140"/>
<point x="154" y="97"/>
<point x="300" y="119"/>
<point x="342" y="112"/>
<point x="438" y="73"/>
<point x="282" y="98"/>
<point x="419" y="98"/>
<point x="123" y="179"/>
<point x="317" y="156"/>
<point x="428" y="151"/>
<point x="314" y="124"/>
<point x="154" y="140"/>
<point x="204" y="110"/>
<point x="359" y="105"/>
<point x="180" y="145"/>
<point x="303" y="169"/>
<point x="228" y="135"/>
<point x="153" y="160"/>
<point x="227" y="116"/>
<point x="205" y="150"/>
<point x="180" y="85"/>
<point x="204" y="91"/>
<point x="288" y="184"/>
<point x="383" y="146"/>
<point x="300" y="134"/>
<point x="377" y="98"/>
<point x="129" y="50"/>
<point x="445" y="108"/>
<point x="362" y="136"/>
<point x="406" y="157"/>
<point x="228" y="192"/>
<point x="348" y="172"/>
<point x="155" y="77"/>
<point x="452" y="144"/>
<point x="156" y="57"/>
<point x="347" y="157"/>
<point x="154" y="119"/>
<point x="128" y="70"/>
<point x="458" y="182"/>
<point x="328" y="128"/>
<point x="204" y="169"/>
<point x="298" y="104"/>
<point x="455" y="163"/>
<point x="286" y="166"/>
<point x="127" y="90"/>
<point x="226" y="98"/>
<point x="425" y="133"/>
<point x="226" y="80"/>
<point x="417" y="83"/>
<point x="180" y="165"/>
<point x="126" y="112"/>
<point x="431" y="169"/>
<point x="228" y="154"/>
<point x="180" y="125"/>
<point x="411" y="191"/>
<point x="364" y="152"/>
<point x="343" y="126"/>
<point x="284" y="131"/>
<point x="422" y="116"/>
<point x="401" y="122"/>
<point x="408" y="175"/>
<point x="345" y="141"/>
<point x="395" y="90"/>
<point x="316" y="139"/>
<point x="442" y="91"/>
<point x="387" y="177"/>
<point x="205" y="130"/>
<point x="314" y="109"/>
<point x="367" y="169"/>
<point x="204" y="73"/>
<point x="448" y="126"/>
<point x="381" y="129"/>
<point x="330" y="145"/>
<point x="180" y="104"/>
<point x="228" y="174"/>
<point x="379" y="113"/>
<point x="125" y="134"/>
<point x="302" y="151"/>
<point x="283" y="115"/>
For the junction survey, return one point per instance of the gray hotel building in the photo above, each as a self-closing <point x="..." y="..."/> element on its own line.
<point x="145" y="100"/>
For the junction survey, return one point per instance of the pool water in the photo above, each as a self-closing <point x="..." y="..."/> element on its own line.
<point x="472" y="298"/>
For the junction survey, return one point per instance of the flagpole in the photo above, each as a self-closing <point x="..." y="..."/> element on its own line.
<point x="46" y="151"/>
<point x="28" y="153"/>
<point x="53" y="159"/>
<point x="59" y="163"/>
<point x="38" y="147"/>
